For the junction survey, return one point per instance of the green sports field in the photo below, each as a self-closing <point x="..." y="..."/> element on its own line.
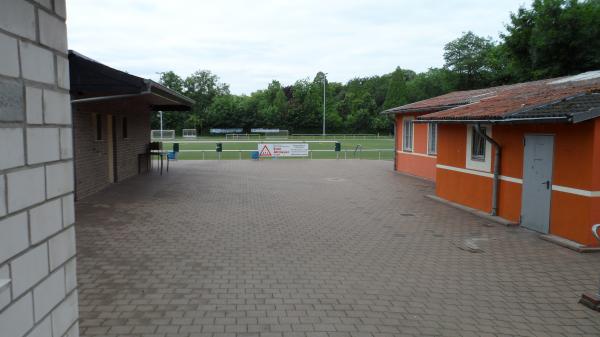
<point x="205" y="148"/>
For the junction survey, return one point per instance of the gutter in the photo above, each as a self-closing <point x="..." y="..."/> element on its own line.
<point x="494" y="121"/>
<point x="496" y="179"/>
<point x="108" y="98"/>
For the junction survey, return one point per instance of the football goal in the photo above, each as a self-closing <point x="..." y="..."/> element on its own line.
<point x="242" y="136"/>
<point x="163" y="134"/>
<point x="188" y="133"/>
<point x="280" y="134"/>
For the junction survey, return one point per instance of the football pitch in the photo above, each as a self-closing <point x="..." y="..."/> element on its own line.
<point x="205" y="148"/>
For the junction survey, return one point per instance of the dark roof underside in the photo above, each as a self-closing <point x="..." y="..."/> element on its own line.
<point x="91" y="79"/>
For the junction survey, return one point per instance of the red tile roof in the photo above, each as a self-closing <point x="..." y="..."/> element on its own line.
<point x="503" y="101"/>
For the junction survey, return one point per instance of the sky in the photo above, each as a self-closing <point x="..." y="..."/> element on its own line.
<point x="250" y="43"/>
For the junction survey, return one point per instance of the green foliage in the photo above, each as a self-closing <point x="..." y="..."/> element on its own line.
<point x="552" y="38"/>
<point x="470" y="57"/>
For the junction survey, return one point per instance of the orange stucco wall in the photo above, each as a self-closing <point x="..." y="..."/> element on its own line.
<point x="417" y="163"/>
<point x="576" y="165"/>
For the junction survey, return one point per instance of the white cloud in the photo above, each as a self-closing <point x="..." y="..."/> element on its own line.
<point x="249" y="43"/>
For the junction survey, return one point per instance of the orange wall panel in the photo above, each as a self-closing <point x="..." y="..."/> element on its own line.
<point x="417" y="165"/>
<point x="420" y="166"/>
<point x="452" y="143"/>
<point x="463" y="188"/>
<point x="420" y="138"/>
<point x="596" y="157"/>
<point x="571" y="217"/>
<point x="509" y="201"/>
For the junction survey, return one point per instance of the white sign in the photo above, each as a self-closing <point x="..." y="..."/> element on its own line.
<point x="262" y="130"/>
<point x="283" y="150"/>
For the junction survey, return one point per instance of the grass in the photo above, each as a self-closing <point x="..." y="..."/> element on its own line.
<point x="205" y="148"/>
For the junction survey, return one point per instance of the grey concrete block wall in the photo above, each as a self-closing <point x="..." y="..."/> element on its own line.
<point x="37" y="233"/>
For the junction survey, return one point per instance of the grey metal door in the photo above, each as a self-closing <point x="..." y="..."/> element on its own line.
<point x="537" y="182"/>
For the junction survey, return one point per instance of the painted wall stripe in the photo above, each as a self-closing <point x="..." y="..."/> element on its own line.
<point x="416" y="154"/>
<point x="558" y="188"/>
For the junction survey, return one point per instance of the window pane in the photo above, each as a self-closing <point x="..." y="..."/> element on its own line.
<point x="478" y="144"/>
<point x="408" y="135"/>
<point x="432" y="138"/>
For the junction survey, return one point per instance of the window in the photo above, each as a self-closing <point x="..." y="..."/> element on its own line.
<point x="478" y="144"/>
<point x="98" y="122"/>
<point x="407" y="134"/>
<point x="432" y="142"/>
<point x="124" y="128"/>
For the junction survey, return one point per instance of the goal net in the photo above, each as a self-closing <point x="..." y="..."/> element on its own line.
<point x="242" y="136"/>
<point x="163" y="134"/>
<point x="188" y="133"/>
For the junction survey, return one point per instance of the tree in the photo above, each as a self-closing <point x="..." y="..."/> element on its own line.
<point x="396" y="93"/>
<point x="468" y="56"/>
<point x="553" y="38"/>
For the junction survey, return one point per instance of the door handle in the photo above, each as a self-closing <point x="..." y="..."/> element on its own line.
<point x="547" y="183"/>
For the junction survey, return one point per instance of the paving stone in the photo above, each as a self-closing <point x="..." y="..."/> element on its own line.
<point x="280" y="249"/>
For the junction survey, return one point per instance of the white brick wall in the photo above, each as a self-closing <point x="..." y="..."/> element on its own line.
<point x="48" y="293"/>
<point x="62" y="247"/>
<point x="36" y="172"/>
<point x="62" y="71"/>
<point x="17" y="318"/>
<point x="37" y="64"/>
<point x="63" y="316"/>
<point x="43" y="145"/>
<point x="66" y="143"/>
<point x="68" y="209"/>
<point x="20" y="19"/>
<point x="57" y="107"/>
<point x="15" y="236"/>
<point x="5" y="295"/>
<point x="59" y="179"/>
<point x="33" y="105"/>
<point x="53" y="32"/>
<point x="70" y="275"/>
<point x="43" y="329"/>
<point x="60" y="8"/>
<point x="11" y="147"/>
<point x="25" y="188"/>
<point x="45" y="220"/>
<point x="28" y="269"/>
<point x="2" y="196"/>
<point x="9" y="52"/>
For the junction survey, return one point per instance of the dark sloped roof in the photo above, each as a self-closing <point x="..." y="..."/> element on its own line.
<point x="576" y="108"/>
<point x="90" y="79"/>
<point x="568" y="98"/>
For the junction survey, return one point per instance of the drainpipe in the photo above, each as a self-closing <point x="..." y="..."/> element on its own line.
<point x="497" y="156"/>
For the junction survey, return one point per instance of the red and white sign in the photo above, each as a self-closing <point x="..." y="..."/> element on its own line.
<point x="283" y="150"/>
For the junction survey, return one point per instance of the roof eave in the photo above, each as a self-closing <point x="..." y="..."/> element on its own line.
<point x="548" y="119"/>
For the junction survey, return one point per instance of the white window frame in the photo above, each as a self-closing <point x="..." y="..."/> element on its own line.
<point x="429" y="150"/>
<point x="412" y="130"/>
<point x="479" y="165"/>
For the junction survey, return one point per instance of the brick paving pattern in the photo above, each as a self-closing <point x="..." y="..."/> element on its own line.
<point x="314" y="249"/>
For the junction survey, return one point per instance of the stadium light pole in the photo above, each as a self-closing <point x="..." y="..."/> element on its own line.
<point x="161" y="125"/>
<point x="324" y="101"/>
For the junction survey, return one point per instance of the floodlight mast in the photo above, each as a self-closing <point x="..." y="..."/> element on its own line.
<point x="161" y="125"/>
<point x="324" y="80"/>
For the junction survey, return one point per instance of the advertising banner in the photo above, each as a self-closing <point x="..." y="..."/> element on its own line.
<point x="283" y="150"/>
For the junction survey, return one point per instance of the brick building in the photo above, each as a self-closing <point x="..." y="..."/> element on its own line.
<point x="111" y="121"/>
<point x="38" y="288"/>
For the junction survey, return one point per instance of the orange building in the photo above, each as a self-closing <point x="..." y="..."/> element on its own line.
<point x="529" y="153"/>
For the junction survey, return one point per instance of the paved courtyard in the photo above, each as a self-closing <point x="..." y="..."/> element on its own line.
<point x="314" y="249"/>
